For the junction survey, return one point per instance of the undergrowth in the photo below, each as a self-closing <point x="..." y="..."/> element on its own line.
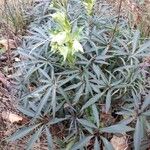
<point x="103" y="92"/>
<point x="13" y="14"/>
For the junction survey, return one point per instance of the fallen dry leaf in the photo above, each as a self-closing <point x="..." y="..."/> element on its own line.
<point x="119" y="143"/>
<point x="11" y="117"/>
<point x="7" y="44"/>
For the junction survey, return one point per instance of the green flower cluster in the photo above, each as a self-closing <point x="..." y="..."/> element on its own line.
<point x="64" y="40"/>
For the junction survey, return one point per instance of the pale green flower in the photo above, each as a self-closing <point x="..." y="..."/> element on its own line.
<point x="59" y="38"/>
<point x="63" y="40"/>
<point x="77" y="46"/>
<point x="61" y="19"/>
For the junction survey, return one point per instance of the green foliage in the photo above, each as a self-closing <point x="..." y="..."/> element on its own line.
<point x="72" y="96"/>
<point x="139" y="114"/>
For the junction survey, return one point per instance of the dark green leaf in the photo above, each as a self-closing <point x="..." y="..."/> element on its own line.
<point x="147" y="113"/>
<point x="62" y="82"/>
<point x="79" y="93"/>
<point x="108" y="100"/>
<point x="43" y="101"/>
<point x="107" y="144"/>
<point x="86" y="123"/>
<point x="22" y="132"/>
<point x="138" y="134"/>
<point x="135" y="41"/>
<point x="34" y="138"/>
<point x="92" y="101"/>
<point x="56" y="120"/>
<point x="146" y="102"/>
<point x="118" y="128"/>
<point x="96" y="114"/>
<point x="96" y="144"/>
<point x="143" y="47"/>
<point x="53" y="102"/>
<point x="26" y="112"/>
<point x="49" y="139"/>
<point x="83" y="142"/>
<point x="74" y="86"/>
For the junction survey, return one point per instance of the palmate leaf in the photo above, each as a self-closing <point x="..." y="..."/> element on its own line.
<point x="49" y="138"/>
<point x="95" y="87"/>
<point x="22" y="132"/>
<point x="118" y="128"/>
<point x="29" y="113"/>
<point x="147" y="113"/>
<point x="81" y="57"/>
<point x="83" y="142"/>
<point x="96" y="70"/>
<point x="90" y="130"/>
<point x="67" y="72"/>
<point x="86" y="123"/>
<point x="103" y="57"/>
<point x="53" y="102"/>
<point x="135" y="41"/>
<point x="56" y="120"/>
<point x="143" y="48"/>
<point x="127" y="121"/>
<point x="79" y="93"/>
<point x="34" y="138"/>
<point x="25" y="54"/>
<point x="103" y="76"/>
<point x="36" y="91"/>
<point x="45" y="74"/>
<point x="138" y="134"/>
<point x="125" y="46"/>
<point x="146" y="102"/>
<point x="108" y="100"/>
<point x="96" y="144"/>
<point x="37" y="45"/>
<point x="96" y="115"/>
<point x="43" y="101"/>
<point x="69" y="78"/>
<point x="88" y="88"/>
<point x="64" y="94"/>
<point x="92" y="101"/>
<point x="136" y="99"/>
<point x="74" y="86"/>
<point x="39" y="32"/>
<point x="32" y="70"/>
<point x="107" y="144"/>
